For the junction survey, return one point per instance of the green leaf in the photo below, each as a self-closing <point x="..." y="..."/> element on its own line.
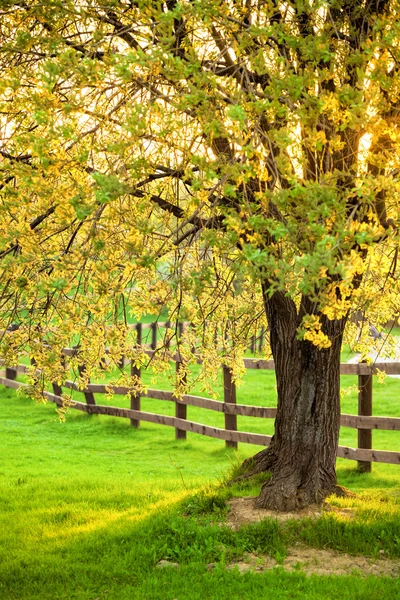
<point x="236" y="113"/>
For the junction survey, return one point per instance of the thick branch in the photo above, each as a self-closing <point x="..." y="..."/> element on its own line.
<point x="122" y="31"/>
<point x="33" y="225"/>
<point x="161" y="202"/>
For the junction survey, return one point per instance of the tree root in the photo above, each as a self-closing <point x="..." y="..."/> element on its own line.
<point x="283" y="493"/>
<point x="261" y="462"/>
<point x="283" y="497"/>
<point x="342" y="492"/>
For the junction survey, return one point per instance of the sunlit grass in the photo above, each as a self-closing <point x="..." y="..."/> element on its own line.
<point x="88" y="507"/>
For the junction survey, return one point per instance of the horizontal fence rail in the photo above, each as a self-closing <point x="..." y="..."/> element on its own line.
<point x="364" y="422"/>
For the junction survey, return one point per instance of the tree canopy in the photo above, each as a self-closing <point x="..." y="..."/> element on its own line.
<point x="202" y="156"/>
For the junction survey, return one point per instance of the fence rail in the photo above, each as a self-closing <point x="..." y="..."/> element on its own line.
<point x="364" y="422"/>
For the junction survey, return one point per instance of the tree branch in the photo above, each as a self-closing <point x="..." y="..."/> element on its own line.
<point x="33" y="225"/>
<point x="161" y="202"/>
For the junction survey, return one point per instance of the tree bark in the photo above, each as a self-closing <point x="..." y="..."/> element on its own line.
<point x="302" y="453"/>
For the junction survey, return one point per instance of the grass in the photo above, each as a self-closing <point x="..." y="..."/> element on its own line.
<point x="89" y="507"/>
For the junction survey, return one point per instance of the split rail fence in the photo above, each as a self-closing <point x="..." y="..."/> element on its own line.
<point x="364" y="422"/>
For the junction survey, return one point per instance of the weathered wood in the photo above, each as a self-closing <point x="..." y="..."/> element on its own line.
<point x="11" y="372"/>
<point x="229" y="398"/>
<point x="368" y="456"/>
<point x="97" y="388"/>
<point x="11" y="383"/>
<point x="103" y="363"/>
<point x="250" y="363"/>
<point x="103" y="388"/>
<point x="167" y="334"/>
<point x="176" y="357"/>
<point x="54" y="398"/>
<point x="136" y="372"/>
<point x="215" y="405"/>
<point x="372" y="369"/>
<point x="353" y="421"/>
<point x="364" y="409"/>
<point x="364" y="422"/>
<point x="57" y="389"/>
<point x="89" y="396"/>
<point x="73" y="351"/>
<point x="35" y="374"/>
<point x="153" y="336"/>
<point x="180" y="407"/>
<point x="215" y="432"/>
<point x="18" y="368"/>
<point x="188" y="400"/>
<point x="232" y="409"/>
<point x="261" y="339"/>
<point x="345" y="369"/>
<point x="350" y="369"/>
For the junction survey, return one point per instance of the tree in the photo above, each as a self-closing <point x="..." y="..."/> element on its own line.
<point x="225" y="159"/>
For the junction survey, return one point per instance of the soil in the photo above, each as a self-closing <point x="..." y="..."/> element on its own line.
<point x="304" y="559"/>
<point x="313" y="561"/>
<point x="243" y="512"/>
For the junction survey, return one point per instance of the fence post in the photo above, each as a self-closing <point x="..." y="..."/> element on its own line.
<point x="89" y="396"/>
<point x="193" y="348"/>
<point x="261" y="339"/>
<point x="11" y="373"/>
<point x="154" y="335"/>
<point x="180" y="408"/>
<point x="57" y="389"/>
<point x="135" y="371"/>
<point x="166" y="333"/>
<point x="229" y="398"/>
<point x="364" y="409"/>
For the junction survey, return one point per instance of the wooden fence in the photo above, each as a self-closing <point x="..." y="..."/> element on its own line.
<point x="364" y="422"/>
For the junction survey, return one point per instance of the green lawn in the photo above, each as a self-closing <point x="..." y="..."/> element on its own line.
<point x="89" y="506"/>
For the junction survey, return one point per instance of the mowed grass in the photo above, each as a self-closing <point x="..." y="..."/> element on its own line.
<point x="90" y="506"/>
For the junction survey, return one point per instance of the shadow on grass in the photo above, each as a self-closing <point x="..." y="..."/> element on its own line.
<point x="109" y="549"/>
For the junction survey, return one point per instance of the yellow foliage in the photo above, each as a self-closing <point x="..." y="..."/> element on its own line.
<point x="192" y="176"/>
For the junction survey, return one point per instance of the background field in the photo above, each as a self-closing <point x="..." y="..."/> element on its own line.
<point x="89" y="507"/>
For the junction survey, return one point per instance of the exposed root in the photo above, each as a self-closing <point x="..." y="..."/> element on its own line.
<point x="286" y="498"/>
<point x="241" y="478"/>
<point x="259" y="463"/>
<point x="287" y="491"/>
<point x="282" y="496"/>
<point x="342" y="492"/>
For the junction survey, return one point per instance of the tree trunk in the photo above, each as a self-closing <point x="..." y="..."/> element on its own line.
<point x="302" y="453"/>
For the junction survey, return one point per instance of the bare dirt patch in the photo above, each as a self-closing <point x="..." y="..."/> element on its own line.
<point x="243" y="512"/>
<point x="312" y="561"/>
<point x="300" y="558"/>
